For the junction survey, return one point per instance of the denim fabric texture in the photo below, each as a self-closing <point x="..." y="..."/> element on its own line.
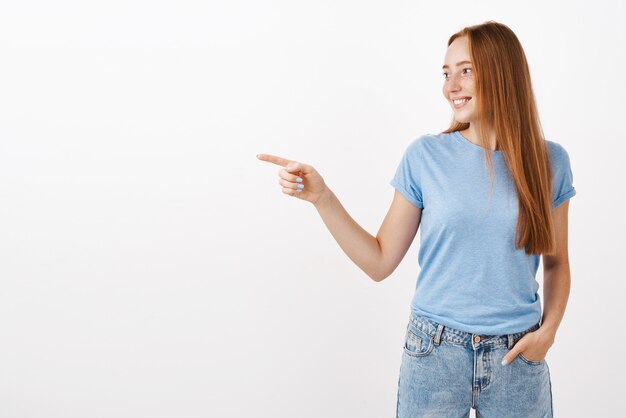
<point x="445" y="372"/>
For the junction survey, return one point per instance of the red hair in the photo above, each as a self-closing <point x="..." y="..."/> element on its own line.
<point x="505" y="102"/>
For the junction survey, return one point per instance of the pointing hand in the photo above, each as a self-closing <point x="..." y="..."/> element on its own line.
<point x="298" y="179"/>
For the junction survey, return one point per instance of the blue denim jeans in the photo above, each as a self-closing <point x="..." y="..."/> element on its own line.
<point x="445" y="372"/>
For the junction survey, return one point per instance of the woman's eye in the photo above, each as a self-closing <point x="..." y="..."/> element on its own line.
<point x="445" y="75"/>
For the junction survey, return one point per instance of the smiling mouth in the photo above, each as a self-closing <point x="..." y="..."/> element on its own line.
<point x="459" y="103"/>
<point x="463" y="100"/>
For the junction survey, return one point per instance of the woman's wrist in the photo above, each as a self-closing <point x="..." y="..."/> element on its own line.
<point x="324" y="199"/>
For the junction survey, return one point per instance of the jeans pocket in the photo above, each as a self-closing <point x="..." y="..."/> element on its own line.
<point x="531" y="362"/>
<point x="417" y="343"/>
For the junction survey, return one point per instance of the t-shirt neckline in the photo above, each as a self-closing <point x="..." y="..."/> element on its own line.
<point x="460" y="138"/>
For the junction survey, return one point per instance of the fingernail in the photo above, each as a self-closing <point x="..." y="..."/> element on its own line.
<point x="504" y="362"/>
<point x="300" y="186"/>
<point x="299" y="180"/>
<point x="289" y="168"/>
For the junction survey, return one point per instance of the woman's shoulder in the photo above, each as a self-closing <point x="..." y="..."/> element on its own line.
<point x="557" y="150"/>
<point x="430" y="139"/>
<point x="559" y="157"/>
<point x="554" y="146"/>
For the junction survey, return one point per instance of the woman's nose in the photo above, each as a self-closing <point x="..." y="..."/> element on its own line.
<point x="453" y="83"/>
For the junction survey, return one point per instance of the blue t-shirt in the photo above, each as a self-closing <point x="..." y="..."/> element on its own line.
<point x="471" y="275"/>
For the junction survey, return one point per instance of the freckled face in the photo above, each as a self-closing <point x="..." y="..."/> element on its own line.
<point x="459" y="80"/>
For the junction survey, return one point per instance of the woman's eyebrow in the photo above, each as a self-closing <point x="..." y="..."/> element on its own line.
<point x="457" y="64"/>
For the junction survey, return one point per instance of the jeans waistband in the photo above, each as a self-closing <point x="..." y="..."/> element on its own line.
<point x="441" y="332"/>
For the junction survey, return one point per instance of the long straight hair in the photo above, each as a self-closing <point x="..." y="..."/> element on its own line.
<point x="505" y="102"/>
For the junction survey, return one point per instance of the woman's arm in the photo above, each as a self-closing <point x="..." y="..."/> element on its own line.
<point x="556" y="283"/>
<point x="556" y="275"/>
<point x="377" y="256"/>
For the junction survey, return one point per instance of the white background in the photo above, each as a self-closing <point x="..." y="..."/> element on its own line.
<point x="150" y="265"/>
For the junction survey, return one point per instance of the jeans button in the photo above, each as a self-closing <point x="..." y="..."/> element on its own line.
<point x="477" y="339"/>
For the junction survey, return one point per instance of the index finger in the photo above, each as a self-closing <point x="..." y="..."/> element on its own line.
<point x="274" y="159"/>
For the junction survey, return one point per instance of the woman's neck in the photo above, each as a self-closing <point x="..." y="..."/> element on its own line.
<point x="472" y="135"/>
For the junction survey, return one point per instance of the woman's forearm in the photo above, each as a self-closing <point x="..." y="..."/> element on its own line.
<point x="359" y="245"/>
<point x="556" y="288"/>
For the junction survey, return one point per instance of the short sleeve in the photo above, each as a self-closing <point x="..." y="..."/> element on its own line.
<point x="562" y="178"/>
<point x="407" y="179"/>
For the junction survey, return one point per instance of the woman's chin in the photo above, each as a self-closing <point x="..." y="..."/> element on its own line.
<point x="461" y="120"/>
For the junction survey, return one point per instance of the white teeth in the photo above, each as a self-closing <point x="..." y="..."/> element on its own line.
<point x="460" y="101"/>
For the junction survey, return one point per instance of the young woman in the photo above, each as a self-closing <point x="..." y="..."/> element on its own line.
<point x="492" y="196"/>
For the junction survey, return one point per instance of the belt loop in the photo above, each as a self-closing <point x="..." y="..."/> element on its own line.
<point x="510" y="341"/>
<point x="438" y="334"/>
